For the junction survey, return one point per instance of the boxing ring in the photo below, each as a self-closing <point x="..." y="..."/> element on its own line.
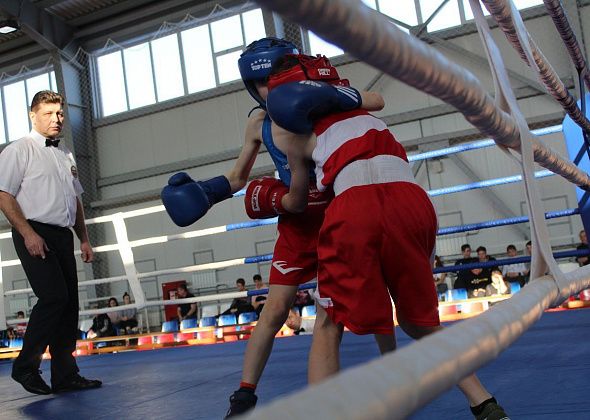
<point x="399" y="384"/>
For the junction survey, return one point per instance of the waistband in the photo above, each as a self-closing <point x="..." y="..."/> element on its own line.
<point x="377" y="170"/>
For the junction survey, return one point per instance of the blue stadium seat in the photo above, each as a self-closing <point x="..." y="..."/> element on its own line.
<point x="208" y="321"/>
<point x="308" y="310"/>
<point x="170" y="326"/>
<point x="229" y="319"/>
<point x="456" y="294"/>
<point x="188" y="323"/>
<point x="514" y="287"/>
<point x="247" y="317"/>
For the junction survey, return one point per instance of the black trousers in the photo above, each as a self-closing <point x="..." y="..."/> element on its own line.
<point x="54" y="319"/>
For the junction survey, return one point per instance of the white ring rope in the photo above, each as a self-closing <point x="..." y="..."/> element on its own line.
<point x="396" y="385"/>
<point x="384" y="46"/>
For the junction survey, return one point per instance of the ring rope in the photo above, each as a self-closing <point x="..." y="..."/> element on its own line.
<point x="397" y="384"/>
<point x="559" y="17"/>
<point x="417" y="64"/>
<point x="502" y="13"/>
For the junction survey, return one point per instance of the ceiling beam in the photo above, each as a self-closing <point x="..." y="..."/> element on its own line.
<point x="44" y="28"/>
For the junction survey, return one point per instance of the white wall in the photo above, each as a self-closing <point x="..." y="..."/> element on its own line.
<point x="217" y="125"/>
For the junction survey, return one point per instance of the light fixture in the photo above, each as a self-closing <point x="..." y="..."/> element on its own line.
<point x="8" y="26"/>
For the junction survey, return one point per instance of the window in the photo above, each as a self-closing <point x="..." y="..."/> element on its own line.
<point x="405" y="11"/>
<point x="138" y="62"/>
<point x="112" y="83"/>
<point x="184" y="62"/>
<point x="198" y="59"/>
<point x="17" y="118"/>
<point x="17" y="97"/>
<point x="446" y="17"/>
<point x="167" y="67"/>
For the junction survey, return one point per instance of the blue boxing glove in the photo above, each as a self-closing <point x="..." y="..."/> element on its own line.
<point x="186" y="201"/>
<point x="294" y="106"/>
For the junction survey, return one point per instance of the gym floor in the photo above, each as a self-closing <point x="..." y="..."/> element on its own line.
<point x="544" y="375"/>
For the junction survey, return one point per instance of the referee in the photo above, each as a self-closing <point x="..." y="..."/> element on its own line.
<point x="39" y="191"/>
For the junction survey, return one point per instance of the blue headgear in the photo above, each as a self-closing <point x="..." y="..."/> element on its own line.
<point x="257" y="60"/>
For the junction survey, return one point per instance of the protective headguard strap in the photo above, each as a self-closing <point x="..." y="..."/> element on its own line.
<point x="309" y="68"/>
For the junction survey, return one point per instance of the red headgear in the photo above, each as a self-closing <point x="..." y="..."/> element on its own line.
<point x="309" y="68"/>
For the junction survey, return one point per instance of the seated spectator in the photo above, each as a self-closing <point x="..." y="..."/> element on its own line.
<point x="482" y="256"/>
<point x="115" y="316"/>
<point x="241" y="304"/>
<point x="514" y="272"/>
<point x="258" y="300"/>
<point x="529" y="251"/>
<point x="10" y="333"/>
<point x="302" y="298"/>
<point x="464" y="276"/>
<point x="480" y="277"/>
<point x="585" y="260"/>
<point x="21" y="327"/>
<point x="498" y="286"/>
<point x="439" y="278"/>
<point x="101" y="327"/>
<point x="294" y="321"/>
<point x="185" y="310"/>
<point x="128" y="317"/>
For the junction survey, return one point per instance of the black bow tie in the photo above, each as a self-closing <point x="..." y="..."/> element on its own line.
<point x="51" y="142"/>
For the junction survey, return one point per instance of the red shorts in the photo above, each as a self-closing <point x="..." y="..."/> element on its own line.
<point x="376" y="242"/>
<point x="295" y="257"/>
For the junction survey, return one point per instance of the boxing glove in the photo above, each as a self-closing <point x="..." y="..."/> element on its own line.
<point x="186" y="201"/>
<point x="263" y="198"/>
<point x="294" y="106"/>
<point x="317" y="201"/>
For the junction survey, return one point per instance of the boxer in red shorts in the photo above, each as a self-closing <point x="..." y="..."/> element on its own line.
<point x="378" y="237"/>
<point x="295" y="252"/>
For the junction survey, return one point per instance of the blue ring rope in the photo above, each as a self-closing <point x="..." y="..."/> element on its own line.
<point x="507" y="261"/>
<point x="503" y="222"/>
<point x="485" y="184"/>
<point x="480" y="144"/>
<point x="454" y="268"/>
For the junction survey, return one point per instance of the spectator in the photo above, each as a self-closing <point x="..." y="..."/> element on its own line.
<point x="439" y="278"/>
<point x="514" y="272"/>
<point x="302" y="298"/>
<point x="21" y="327"/>
<point x="259" y="300"/>
<point x="10" y="333"/>
<point x="464" y="276"/>
<point x="101" y="327"/>
<point x="128" y="317"/>
<point x="115" y="316"/>
<point x="480" y="277"/>
<point x="585" y="260"/>
<point x="185" y="310"/>
<point x="294" y="321"/>
<point x="529" y="251"/>
<point x="241" y="304"/>
<point x="498" y="286"/>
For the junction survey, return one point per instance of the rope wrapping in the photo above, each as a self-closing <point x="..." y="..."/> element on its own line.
<point x="500" y="10"/>
<point x="560" y="19"/>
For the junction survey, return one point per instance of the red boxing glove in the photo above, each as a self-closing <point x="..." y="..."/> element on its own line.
<point x="317" y="201"/>
<point x="263" y="198"/>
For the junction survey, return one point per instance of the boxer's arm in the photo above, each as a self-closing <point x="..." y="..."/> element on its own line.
<point x="238" y="175"/>
<point x="298" y="156"/>
<point x="372" y="101"/>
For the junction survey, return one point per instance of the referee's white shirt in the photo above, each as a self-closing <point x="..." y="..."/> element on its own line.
<point x="44" y="180"/>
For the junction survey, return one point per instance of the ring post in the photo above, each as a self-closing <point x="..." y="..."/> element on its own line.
<point x="578" y="153"/>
